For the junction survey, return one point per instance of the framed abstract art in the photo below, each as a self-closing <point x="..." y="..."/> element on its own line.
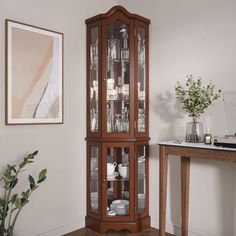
<point x="34" y="75"/>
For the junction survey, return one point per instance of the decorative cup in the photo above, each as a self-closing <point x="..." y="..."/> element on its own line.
<point x="123" y="171"/>
<point x="111" y="168"/>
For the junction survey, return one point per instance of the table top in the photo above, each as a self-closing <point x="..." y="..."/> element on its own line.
<point x="178" y="143"/>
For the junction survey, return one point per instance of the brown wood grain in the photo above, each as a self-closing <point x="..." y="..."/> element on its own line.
<point x="114" y="10"/>
<point x="185" y="153"/>
<point x="185" y="173"/>
<point x="89" y="232"/>
<point x="134" y="222"/>
<point x="202" y="153"/>
<point x="163" y="190"/>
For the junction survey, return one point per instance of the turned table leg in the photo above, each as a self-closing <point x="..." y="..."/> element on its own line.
<point x="185" y="173"/>
<point x="163" y="190"/>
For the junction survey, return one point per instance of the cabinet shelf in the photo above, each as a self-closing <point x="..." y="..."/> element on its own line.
<point x="118" y="101"/>
<point x="117" y="180"/>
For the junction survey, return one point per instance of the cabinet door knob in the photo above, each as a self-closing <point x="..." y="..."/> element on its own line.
<point x="104" y="79"/>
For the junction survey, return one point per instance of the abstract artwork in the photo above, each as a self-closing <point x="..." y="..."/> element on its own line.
<point x="34" y="75"/>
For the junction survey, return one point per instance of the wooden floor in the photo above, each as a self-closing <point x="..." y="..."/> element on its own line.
<point x="88" y="232"/>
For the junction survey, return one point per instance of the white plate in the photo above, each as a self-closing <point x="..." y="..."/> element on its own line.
<point x="113" y="177"/>
<point x="120" y="201"/>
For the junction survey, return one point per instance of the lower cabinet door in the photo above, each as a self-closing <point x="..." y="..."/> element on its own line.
<point x="94" y="180"/>
<point x="118" y="181"/>
<point x="142" y="193"/>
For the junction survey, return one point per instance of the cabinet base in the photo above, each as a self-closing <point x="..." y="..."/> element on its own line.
<point x="132" y="227"/>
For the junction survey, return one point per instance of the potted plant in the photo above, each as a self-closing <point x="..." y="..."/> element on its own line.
<point x="11" y="203"/>
<point x="195" y="99"/>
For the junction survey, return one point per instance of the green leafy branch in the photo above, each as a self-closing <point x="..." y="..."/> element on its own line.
<point x="12" y="204"/>
<point x="195" y="97"/>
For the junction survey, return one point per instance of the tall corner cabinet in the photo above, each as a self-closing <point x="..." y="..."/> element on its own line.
<point x="117" y="121"/>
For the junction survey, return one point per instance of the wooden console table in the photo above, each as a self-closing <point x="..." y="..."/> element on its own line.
<point x="185" y="151"/>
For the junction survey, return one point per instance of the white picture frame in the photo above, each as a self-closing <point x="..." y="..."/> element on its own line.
<point x="34" y="74"/>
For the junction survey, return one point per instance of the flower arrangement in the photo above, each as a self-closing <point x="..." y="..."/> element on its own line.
<point x="195" y="97"/>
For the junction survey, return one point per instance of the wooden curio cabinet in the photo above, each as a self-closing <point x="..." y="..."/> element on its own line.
<point x="117" y="121"/>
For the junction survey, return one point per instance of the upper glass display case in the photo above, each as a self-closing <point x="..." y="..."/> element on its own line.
<point x="117" y="77"/>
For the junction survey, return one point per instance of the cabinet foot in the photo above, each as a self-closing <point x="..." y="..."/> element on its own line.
<point x="132" y="227"/>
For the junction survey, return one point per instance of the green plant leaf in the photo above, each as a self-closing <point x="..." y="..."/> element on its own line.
<point x="42" y="175"/>
<point x="24" y="201"/>
<point x="13" y="198"/>
<point x="35" y="153"/>
<point x="14" y="183"/>
<point x="35" y="187"/>
<point x="18" y="203"/>
<point x="11" y="168"/>
<point x="23" y="164"/>
<point x="32" y="182"/>
<point x="24" y="195"/>
<point x="28" y="162"/>
<point x="8" y="177"/>
<point x="2" y="203"/>
<point x="1" y="214"/>
<point x="7" y="187"/>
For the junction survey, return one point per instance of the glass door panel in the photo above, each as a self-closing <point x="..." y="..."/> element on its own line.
<point x="93" y="81"/>
<point x="141" y="80"/>
<point x="118" y="78"/>
<point x="94" y="180"/>
<point x="118" y="183"/>
<point x="141" y="178"/>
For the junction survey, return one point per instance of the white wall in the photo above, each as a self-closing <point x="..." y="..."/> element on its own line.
<point x="197" y="37"/>
<point x="58" y="206"/>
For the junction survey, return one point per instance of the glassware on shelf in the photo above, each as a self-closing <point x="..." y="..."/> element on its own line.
<point x="110" y="117"/>
<point x="109" y="123"/>
<point x="93" y="120"/>
<point x="118" y="124"/>
<point x="141" y="50"/>
<point x="125" y="120"/>
<point x="113" y="49"/>
<point x="94" y="53"/>
<point x="125" y="48"/>
<point x="112" y="94"/>
<point x="110" y="65"/>
<point x="141" y="120"/>
<point x="110" y="83"/>
<point x="126" y="91"/>
<point x="95" y="88"/>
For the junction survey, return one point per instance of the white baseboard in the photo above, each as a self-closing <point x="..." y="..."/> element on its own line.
<point x="58" y="230"/>
<point x="176" y="229"/>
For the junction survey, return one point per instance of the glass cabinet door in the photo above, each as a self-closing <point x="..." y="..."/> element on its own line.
<point x="118" y="78"/>
<point x="142" y="109"/>
<point x="94" y="192"/>
<point x="93" y="70"/>
<point x="118" y="182"/>
<point x="142" y="163"/>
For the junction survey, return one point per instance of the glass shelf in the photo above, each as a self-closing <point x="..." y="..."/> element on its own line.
<point x="118" y="180"/>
